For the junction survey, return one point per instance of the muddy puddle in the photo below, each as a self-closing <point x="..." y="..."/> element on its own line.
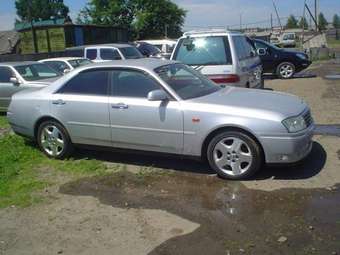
<point x="232" y="218"/>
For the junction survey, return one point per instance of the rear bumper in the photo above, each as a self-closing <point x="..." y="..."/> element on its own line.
<point x="288" y="149"/>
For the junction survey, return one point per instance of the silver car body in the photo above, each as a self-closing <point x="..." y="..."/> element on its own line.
<point x="178" y="126"/>
<point x="64" y="63"/>
<point x="7" y="89"/>
<point x="247" y="69"/>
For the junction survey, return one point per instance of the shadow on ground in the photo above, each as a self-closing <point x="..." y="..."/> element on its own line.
<point x="310" y="167"/>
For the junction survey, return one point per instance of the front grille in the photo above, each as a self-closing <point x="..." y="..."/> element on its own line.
<point x="308" y="118"/>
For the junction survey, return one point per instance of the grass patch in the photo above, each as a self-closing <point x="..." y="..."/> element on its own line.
<point x="19" y="169"/>
<point x="3" y="121"/>
<point x="333" y="43"/>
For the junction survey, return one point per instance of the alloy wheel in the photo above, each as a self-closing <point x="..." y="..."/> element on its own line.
<point x="232" y="156"/>
<point x="286" y="71"/>
<point x="52" y="140"/>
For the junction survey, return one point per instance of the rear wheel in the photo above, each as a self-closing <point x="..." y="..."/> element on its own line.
<point x="53" y="140"/>
<point x="285" y="70"/>
<point x="234" y="155"/>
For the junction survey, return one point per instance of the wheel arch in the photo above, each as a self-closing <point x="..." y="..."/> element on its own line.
<point x="43" y="119"/>
<point x="221" y="129"/>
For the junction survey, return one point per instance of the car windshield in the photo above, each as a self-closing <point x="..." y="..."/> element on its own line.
<point x="34" y="72"/>
<point x="259" y="42"/>
<point x="79" y="62"/>
<point x="185" y="81"/>
<point x="130" y="53"/>
<point x="212" y="50"/>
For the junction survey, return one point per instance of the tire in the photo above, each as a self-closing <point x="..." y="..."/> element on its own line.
<point x="234" y="155"/>
<point x="54" y="140"/>
<point x="285" y="70"/>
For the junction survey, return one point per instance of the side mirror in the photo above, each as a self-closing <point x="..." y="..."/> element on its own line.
<point x="157" y="95"/>
<point x="262" y="52"/>
<point x="15" y="81"/>
<point x="66" y="71"/>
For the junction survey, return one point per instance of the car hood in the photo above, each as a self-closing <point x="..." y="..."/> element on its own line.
<point x="254" y="101"/>
<point x="43" y="82"/>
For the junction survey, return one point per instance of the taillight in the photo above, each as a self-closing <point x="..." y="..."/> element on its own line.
<point x="224" y="78"/>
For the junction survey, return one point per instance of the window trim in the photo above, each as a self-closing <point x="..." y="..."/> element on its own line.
<point x="88" y="71"/>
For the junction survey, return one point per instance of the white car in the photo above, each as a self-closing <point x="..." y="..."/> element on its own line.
<point x="105" y="52"/>
<point x="65" y="64"/>
<point x="166" y="46"/>
<point x="227" y="58"/>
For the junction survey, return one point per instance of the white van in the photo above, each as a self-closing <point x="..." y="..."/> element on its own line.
<point x="227" y="58"/>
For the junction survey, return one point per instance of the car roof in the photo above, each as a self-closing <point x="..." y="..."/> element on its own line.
<point x="115" y="45"/>
<point x="142" y="63"/>
<point x="210" y="32"/>
<point x="62" y="58"/>
<point x="19" y="63"/>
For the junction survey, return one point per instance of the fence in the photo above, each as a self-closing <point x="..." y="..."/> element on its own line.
<point x="31" y="57"/>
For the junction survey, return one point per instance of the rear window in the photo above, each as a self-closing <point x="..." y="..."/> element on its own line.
<point x="213" y="50"/>
<point x="130" y="53"/>
<point x="109" y="54"/>
<point x="91" y="54"/>
<point x="243" y="48"/>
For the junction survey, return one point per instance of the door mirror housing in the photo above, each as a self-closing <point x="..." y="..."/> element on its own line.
<point x="262" y="51"/>
<point x="14" y="81"/>
<point x="66" y="71"/>
<point x="157" y="95"/>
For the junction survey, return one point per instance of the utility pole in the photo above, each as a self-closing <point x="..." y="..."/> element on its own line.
<point x="277" y="14"/>
<point x="316" y="15"/>
<point x="271" y="21"/>
<point x="240" y="21"/>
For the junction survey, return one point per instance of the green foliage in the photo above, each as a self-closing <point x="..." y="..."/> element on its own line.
<point x="292" y="22"/>
<point x="303" y="23"/>
<point x="3" y="121"/>
<point x="40" y="9"/>
<point x="322" y="22"/>
<point x="336" y="21"/>
<point x="147" y="18"/>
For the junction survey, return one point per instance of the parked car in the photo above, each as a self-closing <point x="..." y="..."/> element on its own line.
<point x="164" y="106"/>
<point x="287" y="40"/>
<point x="282" y="62"/>
<point x="16" y="76"/>
<point x="225" y="57"/>
<point x="166" y="46"/>
<point x="65" y="64"/>
<point x="148" y="50"/>
<point x="105" y="52"/>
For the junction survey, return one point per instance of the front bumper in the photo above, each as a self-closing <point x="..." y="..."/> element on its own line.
<point x="288" y="149"/>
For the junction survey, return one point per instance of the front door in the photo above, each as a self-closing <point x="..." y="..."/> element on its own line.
<point x="7" y="88"/>
<point x="82" y="106"/>
<point x="136" y="122"/>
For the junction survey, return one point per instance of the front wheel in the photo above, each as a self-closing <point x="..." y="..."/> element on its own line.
<point x="285" y="70"/>
<point x="234" y="155"/>
<point x="53" y="140"/>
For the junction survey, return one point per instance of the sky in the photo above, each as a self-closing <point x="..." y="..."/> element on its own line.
<point x="205" y="13"/>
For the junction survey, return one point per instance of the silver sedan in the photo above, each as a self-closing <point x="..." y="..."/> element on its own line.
<point x="164" y="106"/>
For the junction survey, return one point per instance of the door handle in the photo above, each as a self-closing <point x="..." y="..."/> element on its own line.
<point x="58" y="102"/>
<point x="120" y="106"/>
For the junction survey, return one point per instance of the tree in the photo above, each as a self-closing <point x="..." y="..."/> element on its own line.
<point x="35" y="10"/>
<point x="147" y="18"/>
<point x="322" y="22"/>
<point x="303" y="23"/>
<point x="292" y="22"/>
<point x="336" y="21"/>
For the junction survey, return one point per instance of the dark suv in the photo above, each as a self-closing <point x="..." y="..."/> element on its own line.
<point x="282" y="62"/>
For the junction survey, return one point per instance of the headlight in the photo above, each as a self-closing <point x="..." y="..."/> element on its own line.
<point x="301" y="56"/>
<point x="295" y="124"/>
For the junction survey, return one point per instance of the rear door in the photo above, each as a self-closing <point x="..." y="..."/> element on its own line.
<point x="249" y="67"/>
<point x="82" y="106"/>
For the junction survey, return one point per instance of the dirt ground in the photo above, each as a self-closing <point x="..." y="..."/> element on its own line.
<point x="188" y="210"/>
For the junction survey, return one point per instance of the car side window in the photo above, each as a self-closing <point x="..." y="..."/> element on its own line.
<point x="59" y="66"/>
<point x="5" y="74"/>
<point x="91" y="54"/>
<point x="130" y="83"/>
<point x="109" y="54"/>
<point x="243" y="48"/>
<point x="93" y="82"/>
